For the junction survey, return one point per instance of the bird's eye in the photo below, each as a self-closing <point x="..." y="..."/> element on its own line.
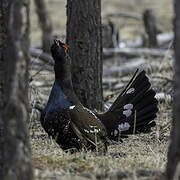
<point x="66" y="48"/>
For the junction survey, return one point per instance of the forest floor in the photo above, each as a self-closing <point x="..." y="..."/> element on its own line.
<point x="138" y="157"/>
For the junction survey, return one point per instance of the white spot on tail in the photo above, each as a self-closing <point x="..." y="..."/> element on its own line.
<point x="95" y="131"/>
<point x="71" y="107"/>
<point x="92" y="126"/>
<point x="127" y="113"/>
<point x="115" y="132"/>
<point x="85" y="130"/>
<point x="128" y="106"/>
<point x="123" y="126"/>
<point x="130" y="91"/>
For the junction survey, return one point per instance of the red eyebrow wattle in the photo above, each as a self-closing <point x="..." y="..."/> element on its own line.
<point x="66" y="48"/>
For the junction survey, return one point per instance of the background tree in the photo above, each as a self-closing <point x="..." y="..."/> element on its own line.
<point x="3" y="11"/>
<point x="150" y="27"/>
<point x="173" y="165"/>
<point x="14" y="61"/>
<point x="45" y="24"/>
<point x="84" y="39"/>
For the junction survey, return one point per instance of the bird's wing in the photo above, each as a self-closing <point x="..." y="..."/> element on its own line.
<point x="87" y="125"/>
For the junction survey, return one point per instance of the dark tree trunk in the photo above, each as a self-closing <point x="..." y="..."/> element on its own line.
<point x="3" y="12"/>
<point x="150" y="27"/>
<point x="84" y="40"/>
<point x="13" y="91"/>
<point x="45" y="24"/>
<point x="173" y="165"/>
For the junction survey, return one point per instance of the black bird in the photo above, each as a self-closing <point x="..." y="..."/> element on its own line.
<point x="73" y="126"/>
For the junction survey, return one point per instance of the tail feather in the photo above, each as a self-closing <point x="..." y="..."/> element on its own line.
<point x="146" y="100"/>
<point x="143" y="126"/>
<point x="136" y="97"/>
<point x="146" y="110"/>
<point x="141" y="88"/>
<point x="143" y="120"/>
<point x="133" y="94"/>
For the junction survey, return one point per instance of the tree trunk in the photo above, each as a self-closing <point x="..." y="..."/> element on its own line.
<point x="84" y="39"/>
<point x="173" y="165"/>
<point x="3" y="11"/>
<point x="45" y="24"/>
<point x="150" y="27"/>
<point x="14" y="89"/>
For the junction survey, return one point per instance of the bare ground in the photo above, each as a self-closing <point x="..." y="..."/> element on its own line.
<point x="138" y="157"/>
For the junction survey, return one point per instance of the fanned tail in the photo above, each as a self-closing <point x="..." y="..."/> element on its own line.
<point x="133" y="111"/>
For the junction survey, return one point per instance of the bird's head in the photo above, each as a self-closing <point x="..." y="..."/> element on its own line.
<point x="59" y="51"/>
<point x="62" y="66"/>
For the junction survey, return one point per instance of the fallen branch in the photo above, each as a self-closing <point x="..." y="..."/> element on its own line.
<point x="165" y="38"/>
<point x="138" y="52"/>
<point x="164" y="78"/>
<point x="41" y="84"/>
<point x="126" y="68"/>
<point x="39" y="54"/>
<point x="162" y="39"/>
<point x="39" y="67"/>
<point x="163" y="97"/>
<point x="124" y="15"/>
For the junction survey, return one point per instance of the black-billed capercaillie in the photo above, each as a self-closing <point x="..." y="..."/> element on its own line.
<point x="74" y="126"/>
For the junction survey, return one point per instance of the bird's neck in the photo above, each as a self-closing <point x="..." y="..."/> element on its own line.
<point x="63" y="76"/>
<point x="62" y="71"/>
<point x="57" y="98"/>
<point x="63" y="80"/>
<point x="67" y="89"/>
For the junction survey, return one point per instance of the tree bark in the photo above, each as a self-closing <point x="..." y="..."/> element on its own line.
<point x="150" y="27"/>
<point x="45" y="24"/>
<point x="173" y="164"/>
<point x="3" y="12"/>
<point x="14" y="89"/>
<point x="84" y="39"/>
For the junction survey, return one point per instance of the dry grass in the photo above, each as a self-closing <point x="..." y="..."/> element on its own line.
<point x="146" y="152"/>
<point x="138" y="157"/>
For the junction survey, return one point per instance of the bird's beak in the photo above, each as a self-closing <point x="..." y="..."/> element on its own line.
<point x="56" y="42"/>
